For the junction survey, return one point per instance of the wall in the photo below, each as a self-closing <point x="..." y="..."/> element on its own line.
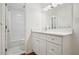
<point x="76" y="28"/>
<point x="33" y="22"/>
<point x="0" y="28"/>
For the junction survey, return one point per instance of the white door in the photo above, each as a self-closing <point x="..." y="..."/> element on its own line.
<point x="15" y="32"/>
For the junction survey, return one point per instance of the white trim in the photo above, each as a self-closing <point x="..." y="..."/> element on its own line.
<point x="3" y="28"/>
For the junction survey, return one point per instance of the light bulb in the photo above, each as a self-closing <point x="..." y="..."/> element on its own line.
<point x="56" y="4"/>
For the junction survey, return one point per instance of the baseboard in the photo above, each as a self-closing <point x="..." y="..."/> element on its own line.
<point x="31" y="53"/>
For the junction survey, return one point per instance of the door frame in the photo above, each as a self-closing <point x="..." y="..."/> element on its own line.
<point x="6" y="19"/>
<point x="3" y="30"/>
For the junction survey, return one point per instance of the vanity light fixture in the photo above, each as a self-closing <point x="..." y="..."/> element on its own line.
<point x="56" y="4"/>
<point x="47" y="7"/>
<point x="51" y="5"/>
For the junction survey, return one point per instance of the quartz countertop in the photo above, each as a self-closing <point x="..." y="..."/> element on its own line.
<point x="61" y="33"/>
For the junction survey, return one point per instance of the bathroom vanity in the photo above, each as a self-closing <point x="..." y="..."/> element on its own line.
<point x="51" y="43"/>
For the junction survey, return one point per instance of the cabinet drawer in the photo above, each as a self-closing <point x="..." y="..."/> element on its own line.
<point x="39" y="35"/>
<point x="36" y="45"/>
<point x="39" y="46"/>
<point x="53" y="49"/>
<point x="55" y="39"/>
<point x="36" y="42"/>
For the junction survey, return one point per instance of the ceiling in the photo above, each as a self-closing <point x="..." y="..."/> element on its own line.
<point x="16" y="6"/>
<point x="20" y="6"/>
<point x="43" y="5"/>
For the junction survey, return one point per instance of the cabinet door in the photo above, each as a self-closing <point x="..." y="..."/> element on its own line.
<point x="55" y="39"/>
<point x="36" y="45"/>
<point x="53" y="49"/>
<point x="39" y="46"/>
<point x="43" y="47"/>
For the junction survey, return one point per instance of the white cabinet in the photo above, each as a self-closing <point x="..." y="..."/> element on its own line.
<point x="46" y="44"/>
<point x="38" y="44"/>
<point x="53" y="49"/>
<point x="54" y="39"/>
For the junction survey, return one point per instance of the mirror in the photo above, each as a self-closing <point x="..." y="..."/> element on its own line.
<point x="59" y="17"/>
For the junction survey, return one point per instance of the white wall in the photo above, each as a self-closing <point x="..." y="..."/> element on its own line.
<point x="76" y="28"/>
<point x="0" y="28"/>
<point x="33" y="22"/>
